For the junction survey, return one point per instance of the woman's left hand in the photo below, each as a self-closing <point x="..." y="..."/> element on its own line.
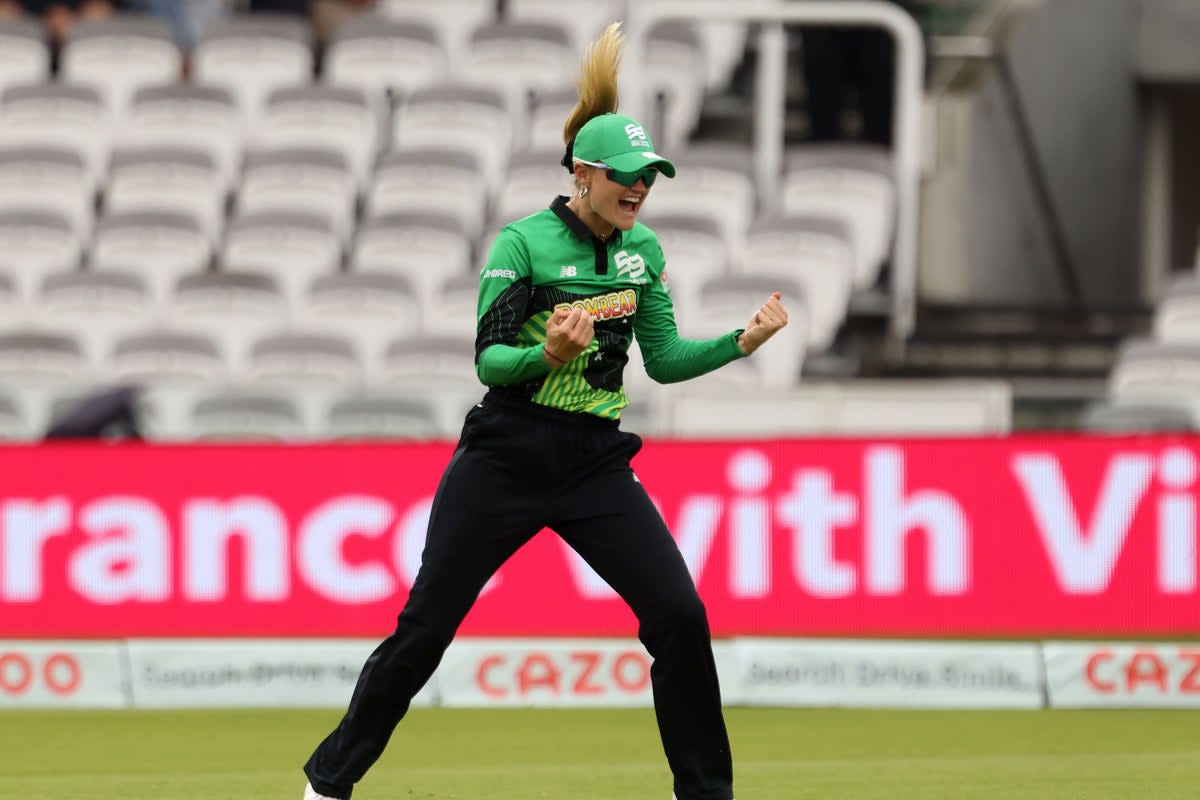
<point x="770" y="317"/>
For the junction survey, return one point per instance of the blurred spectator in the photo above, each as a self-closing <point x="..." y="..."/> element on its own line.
<point x="841" y="63"/>
<point x="59" y="15"/>
<point x="189" y="19"/>
<point x="328" y="15"/>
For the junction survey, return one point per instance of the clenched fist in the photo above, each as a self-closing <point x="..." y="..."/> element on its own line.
<point x="568" y="333"/>
<point x="770" y="317"/>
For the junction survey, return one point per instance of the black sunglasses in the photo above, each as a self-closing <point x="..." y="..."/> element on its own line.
<point x="628" y="179"/>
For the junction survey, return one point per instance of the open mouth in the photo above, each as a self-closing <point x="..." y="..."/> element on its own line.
<point x="630" y="203"/>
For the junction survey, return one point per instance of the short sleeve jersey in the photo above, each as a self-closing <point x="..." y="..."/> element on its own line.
<point x="551" y="260"/>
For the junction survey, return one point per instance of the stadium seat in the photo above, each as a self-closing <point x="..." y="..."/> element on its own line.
<point x="322" y="117"/>
<point x="57" y="115"/>
<point x="187" y="116"/>
<point x="426" y="248"/>
<point x="817" y="251"/>
<point x="534" y="178"/>
<point x="723" y="43"/>
<point x="712" y="182"/>
<point x="95" y="307"/>
<point x="548" y="113"/>
<point x="34" y="244"/>
<point x="383" y="416"/>
<point x="292" y="246"/>
<point x="1125" y="418"/>
<point x="181" y="180"/>
<point x="454" y="20"/>
<point x="120" y="55"/>
<point x="693" y="248"/>
<point x="378" y="55"/>
<point x="315" y="363"/>
<point x="251" y="55"/>
<point x="162" y="356"/>
<point x="439" y="362"/>
<point x="1158" y="373"/>
<point x="1177" y="315"/>
<point x="854" y="182"/>
<point x="233" y="308"/>
<point x="13" y="309"/>
<point x="42" y="356"/>
<point x="583" y="20"/>
<point x="48" y="179"/>
<point x="472" y="117"/>
<point x="371" y="307"/>
<point x="309" y="181"/>
<point x="24" y="56"/>
<point x="517" y="58"/>
<point x="14" y="426"/>
<point x="430" y="180"/>
<point x="674" y="73"/>
<point x="726" y="303"/>
<point x="455" y="305"/>
<point x="250" y="415"/>
<point x="159" y="245"/>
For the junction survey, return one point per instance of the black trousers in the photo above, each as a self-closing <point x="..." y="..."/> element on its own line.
<point x="518" y="468"/>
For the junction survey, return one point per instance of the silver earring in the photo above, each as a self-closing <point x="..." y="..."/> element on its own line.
<point x="583" y="191"/>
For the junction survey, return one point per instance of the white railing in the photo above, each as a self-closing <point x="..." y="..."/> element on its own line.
<point x="769" y="101"/>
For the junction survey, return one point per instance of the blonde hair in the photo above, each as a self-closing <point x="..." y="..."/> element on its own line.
<point x="597" y="80"/>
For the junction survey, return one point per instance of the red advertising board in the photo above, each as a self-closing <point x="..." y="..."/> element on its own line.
<point x="1018" y="536"/>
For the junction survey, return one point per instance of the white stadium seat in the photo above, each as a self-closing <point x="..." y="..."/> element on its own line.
<point x="854" y="182"/>
<point x="120" y="55"/>
<point x="817" y="251"/>
<point x="305" y="359"/>
<point x="14" y="424"/>
<point x="310" y="181"/>
<point x="61" y="116"/>
<point x="187" y="116"/>
<point x="517" y="58"/>
<point x="693" y="248"/>
<point x="726" y="303"/>
<point x="163" y="356"/>
<point x="378" y="55"/>
<point x="42" y="356"/>
<point x="252" y="55"/>
<point x="249" y="415"/>
<point x="322" y="117"/>
<point x="96" y="307"/>
<point x="676" y="71"/>
<point x="583" y="20"/>
<point x="24" y="56"/>
<point x="1177" y="315"/>
<point x="383" y="416"/>
<point x="373" y="308"/>
<point x="426" y="248"/>
<point x="430" y="180"/>
<point x="454" y="20"/>
<point x="34" y="244"/>
<point x="534" y="178"/>
<point x="439" y="362"/>
<point x="470" y="117"/>
<point x="48" y="179"/>
<point x="234" y="308"/>
<point x="13" y="309"/>
<point x="712" y="182"/>
<point x="547" y="114"/>
<point x="454" y="307"/>
<point x="181" y="180"/>
<point x="159" y="245"/>
<point x="294" y="247"/>
<point x="1159" y="373"/>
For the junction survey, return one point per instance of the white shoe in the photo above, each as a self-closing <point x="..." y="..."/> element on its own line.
<point x="311" y="793"/>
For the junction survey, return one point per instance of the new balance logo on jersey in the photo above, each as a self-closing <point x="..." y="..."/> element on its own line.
<point x="568" y="271"/>
<point x="631" y="266"/>
<point x="500" y="273"/>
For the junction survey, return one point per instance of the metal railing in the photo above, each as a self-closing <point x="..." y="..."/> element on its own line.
<point x="769" y="102"/>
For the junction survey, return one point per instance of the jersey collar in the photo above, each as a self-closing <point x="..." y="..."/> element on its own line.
<point x="577" y="227"/>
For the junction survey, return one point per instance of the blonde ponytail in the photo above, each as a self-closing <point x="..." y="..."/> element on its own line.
<point x="597" y="81"/>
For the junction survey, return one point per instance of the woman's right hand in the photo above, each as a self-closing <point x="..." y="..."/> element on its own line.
<point x="568" y="333"/>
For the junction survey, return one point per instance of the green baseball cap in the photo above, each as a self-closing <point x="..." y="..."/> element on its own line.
<point x="619" y="142"/>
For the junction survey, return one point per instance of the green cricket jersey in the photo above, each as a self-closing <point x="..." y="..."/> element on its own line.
<point x="550" y="260"/>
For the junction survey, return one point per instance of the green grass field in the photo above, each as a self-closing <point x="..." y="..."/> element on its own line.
<point x="444" y="754"/>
